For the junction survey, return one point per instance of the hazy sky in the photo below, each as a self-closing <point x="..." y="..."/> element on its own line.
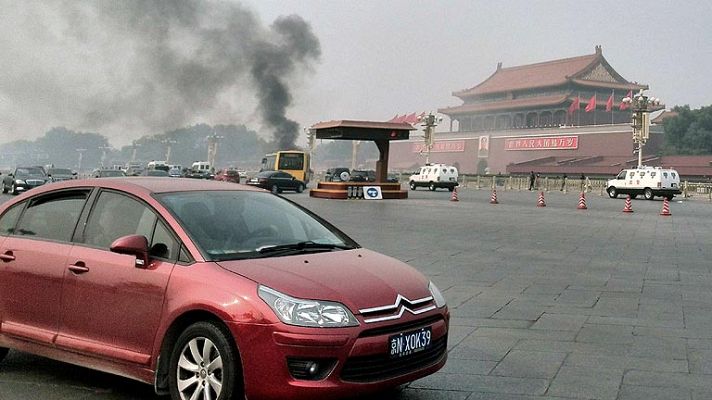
<point x="379" y="58"/>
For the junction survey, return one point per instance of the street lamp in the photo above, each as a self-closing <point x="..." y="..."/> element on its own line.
<point x="103" y="154"/>
<point x="168" y="143"/>
<point x="642" y="105"/>
<point x="213" y="148"/>
<point x="81" y="155"/>
<point x="133" y="152"/>
<point x="429" y="122"/>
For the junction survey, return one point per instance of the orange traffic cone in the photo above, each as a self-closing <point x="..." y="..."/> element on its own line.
<point x="454" y="195"/>
<point x="540" y="202"/>
<point x="628" y="207"/>
<point x="493" y="199"/>
<point x="666" y="208"/>
<point x="582" y="202"/>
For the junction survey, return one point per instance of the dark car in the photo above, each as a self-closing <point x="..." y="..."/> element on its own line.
<point x="23" y="178"/>
<point x="107" y="173"/>
<point x="363" y="175"/>
<point x="210" y="290"/>
<point x="277" y="182"/>
<point x="337" y="174"/>
<point x="155" y="172"/>
<point x="228" y="175"/>
<point x="60" y="174"/>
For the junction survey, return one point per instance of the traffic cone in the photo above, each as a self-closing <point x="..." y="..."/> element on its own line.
<point x="582" y="202"/>
<point x="493" y="199"/>
<point x="628" y="207"/>
<point x="540" y="202"/>
<point x="453" y="197"/>
<point x="666" y="208"/>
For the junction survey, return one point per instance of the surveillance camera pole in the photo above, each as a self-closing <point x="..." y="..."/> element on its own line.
<point x="429" y="122"/>
<point x="642" y="106"/>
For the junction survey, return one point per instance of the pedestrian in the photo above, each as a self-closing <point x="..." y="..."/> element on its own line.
<point x="563" y="183"/>
<point x="537" y="182"/>
<point x="531" y="180"/>
<point x="583" y="181"/>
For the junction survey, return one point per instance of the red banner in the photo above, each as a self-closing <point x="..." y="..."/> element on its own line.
<point x="444" y="146"/>
<point x="542" y="143"/>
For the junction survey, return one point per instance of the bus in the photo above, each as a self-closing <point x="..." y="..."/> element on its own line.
<point x="294" y="162"/>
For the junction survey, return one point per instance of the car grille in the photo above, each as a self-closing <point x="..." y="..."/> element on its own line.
<point x="396" y="310"/>
<point x="381" y="366"/>
<point x="408" y="326"/>
<point x="34" y="182"/>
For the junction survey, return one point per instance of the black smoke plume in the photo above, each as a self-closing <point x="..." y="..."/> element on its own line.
<point x="137" y="65"/>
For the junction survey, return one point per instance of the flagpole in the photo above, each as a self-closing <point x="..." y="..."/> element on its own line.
<point x="578" y="111"/>
<point x="613" y="96"/>
<point x="595" y="100"/>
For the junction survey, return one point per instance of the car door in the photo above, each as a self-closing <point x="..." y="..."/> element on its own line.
<point x="111" y="306"/>
<point x="34" y="258"/>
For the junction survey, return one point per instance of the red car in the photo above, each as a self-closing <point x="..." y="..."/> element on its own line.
<point x="150" y="279"/>
<point x="228" y="175"/>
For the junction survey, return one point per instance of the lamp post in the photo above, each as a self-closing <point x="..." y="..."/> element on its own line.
<point x="168" y="143"/>
<point x="213" y="148"/>
<point x="429" y="122"/>
<point x="133" y="151"/>
<point x="81" y="155"/>
<point x="642" y="105"/>
<point x="103" y="154"/>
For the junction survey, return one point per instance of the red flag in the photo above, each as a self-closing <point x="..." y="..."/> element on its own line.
<point x="575" y="105"/>
<point x="591" y="104"/>
<point x="623" y="105"/>
<point x="609" y="103"/>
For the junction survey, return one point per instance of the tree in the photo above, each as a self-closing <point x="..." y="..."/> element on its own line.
<point x="690" y="131"/>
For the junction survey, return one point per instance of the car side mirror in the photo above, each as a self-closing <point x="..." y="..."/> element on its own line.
<point x="133" y="245"/>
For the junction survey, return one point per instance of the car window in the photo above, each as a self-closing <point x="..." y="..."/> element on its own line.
<point x="115" y="215"/>
<point x="632" y="173"/>
<point x="673" y="174"/>
<point x="642" y="174"/>
<point x="53" y="216"/>
<point x="665" y="175"/>
<point x="621" y="175"/>
<point x="652" y="174"/>
<point x="163" y="245"/>
<point x="9" y="219"/>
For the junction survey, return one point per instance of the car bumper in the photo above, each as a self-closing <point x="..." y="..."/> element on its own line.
<point x="259" y="185"/>
<point x="346" y="352"/>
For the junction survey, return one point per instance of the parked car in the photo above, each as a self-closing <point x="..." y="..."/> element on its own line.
<point x="434" y="176"/>
<point x="228" y="175"/>
<point x="155" y="172"/>
<point x="648" y="181"/>
<point x="266" y="301"/>
<point x="175" y="172"/>
<point x="108" y="173"/>
<point x="363" y="176"/>
<point x="23" y="178"/>
<point x="277" y="182"/>
<point x="340" y="174"/>
<point x="60" y="174"/>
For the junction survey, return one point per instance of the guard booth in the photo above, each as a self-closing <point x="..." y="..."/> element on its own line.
<point x="382" y="133"/>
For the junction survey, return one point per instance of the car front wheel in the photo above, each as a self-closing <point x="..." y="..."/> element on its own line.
<point x="275" y="189"/>
<point x="431" y="187"/>
<point x="204" y="365"/>
<point x="612" y="192"/>
<point x="412" y="185"/>
<point x="648" y="194"/>
<point x="13" y="189"/>
<point x="300" y="188"/>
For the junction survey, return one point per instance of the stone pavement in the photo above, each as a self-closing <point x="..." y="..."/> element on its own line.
<point x="547" y="303"/>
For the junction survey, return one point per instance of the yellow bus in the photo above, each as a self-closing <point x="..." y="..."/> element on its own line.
<point x="295" y="162"/>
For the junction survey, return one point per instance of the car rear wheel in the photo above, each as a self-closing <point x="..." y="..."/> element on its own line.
<point x="431" y="187"/>
<point x="300" y="188"/>
<point x="648" y="194"/>
<point x="412" y="185"/>
<point x="4" y="188"/>
<point x="275" y="189"/>
<point x="612" y="192"/>
<point x="204" y="365"/>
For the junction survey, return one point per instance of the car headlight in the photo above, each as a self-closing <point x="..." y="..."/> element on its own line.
<point x="309" y="313"/>
<point x="19" y="182"/>
<point x="437" y="296"/>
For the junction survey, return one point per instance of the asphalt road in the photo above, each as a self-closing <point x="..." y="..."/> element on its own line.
<point x="547" y="302"/>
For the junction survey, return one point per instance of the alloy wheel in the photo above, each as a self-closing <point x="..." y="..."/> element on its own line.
<point x="200" y="370"/>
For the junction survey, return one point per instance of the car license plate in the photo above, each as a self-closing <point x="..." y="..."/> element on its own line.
<point x="411" y="342"/>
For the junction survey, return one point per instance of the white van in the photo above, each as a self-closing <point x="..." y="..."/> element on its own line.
<point x="435" y="176"/>
<point x="648" y="181"/>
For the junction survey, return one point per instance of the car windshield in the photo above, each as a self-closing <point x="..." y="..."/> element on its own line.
<point x="229" y="225"/>
<point x="29" y="171"/>
<point x="60" y="171"/>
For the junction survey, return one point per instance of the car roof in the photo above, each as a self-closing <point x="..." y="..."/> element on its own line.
<point x="147" y="184"/>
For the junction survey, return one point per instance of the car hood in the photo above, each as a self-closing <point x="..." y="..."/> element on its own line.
<point x="24" y="177"/>
<point x="357" y="278"/>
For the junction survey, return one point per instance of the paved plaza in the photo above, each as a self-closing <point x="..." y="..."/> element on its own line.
<point x="547" y="302"/>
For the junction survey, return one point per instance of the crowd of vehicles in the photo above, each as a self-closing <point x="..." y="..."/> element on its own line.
<point x="264" y="301"/>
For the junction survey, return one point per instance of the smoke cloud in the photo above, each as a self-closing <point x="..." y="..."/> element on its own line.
<point x="130" y="67"/>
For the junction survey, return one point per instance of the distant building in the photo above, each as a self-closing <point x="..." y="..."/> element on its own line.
<point x="526" y="118"/>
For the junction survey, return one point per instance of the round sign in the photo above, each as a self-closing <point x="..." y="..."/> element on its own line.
<point x="372" y="192"/>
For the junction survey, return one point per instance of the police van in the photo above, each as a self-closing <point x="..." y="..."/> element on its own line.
<point x="435" y="176"/>
<point x="648" y="181"/>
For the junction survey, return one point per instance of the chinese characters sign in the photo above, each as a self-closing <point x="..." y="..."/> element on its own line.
<point x="445" y="146"/>
<point x="542" y="143"/>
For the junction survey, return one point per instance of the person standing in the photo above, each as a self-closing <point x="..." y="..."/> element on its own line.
<point x="563" y="183"/>
<point x="583" y="181"/>
<point x="532" y="177"/>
